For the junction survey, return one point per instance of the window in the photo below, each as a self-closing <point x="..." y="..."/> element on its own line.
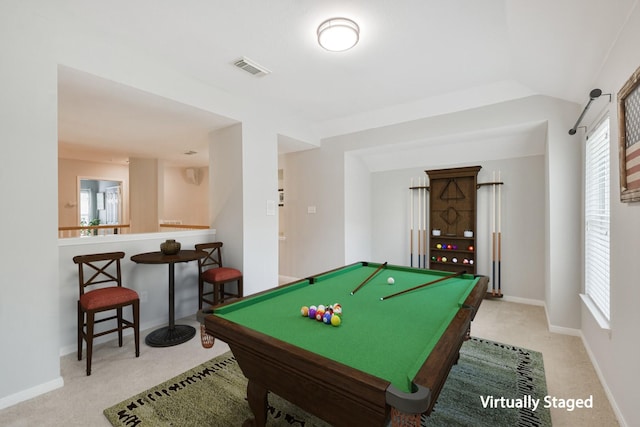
<point x="596" y="214"/>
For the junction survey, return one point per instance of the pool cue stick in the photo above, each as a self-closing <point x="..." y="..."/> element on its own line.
<point x="493" y="234"/>
<point x="419" y="223"/>
<point x="369" y="278"/>
<point x="411" y="221"/>
<point x="499" y="237"/>
<point x="424" y="235"/>
<point x="433" y="282"/>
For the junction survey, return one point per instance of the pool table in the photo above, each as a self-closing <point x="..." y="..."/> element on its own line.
<point x="388" y="357"/>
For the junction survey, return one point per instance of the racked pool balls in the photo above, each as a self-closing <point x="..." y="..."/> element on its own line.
<point x="329" y="314"/>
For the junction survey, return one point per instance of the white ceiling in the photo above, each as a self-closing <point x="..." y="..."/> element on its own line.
<point x="414" y="58"/>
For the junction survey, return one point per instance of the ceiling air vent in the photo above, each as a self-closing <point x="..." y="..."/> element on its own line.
<point x="251" y="67"/>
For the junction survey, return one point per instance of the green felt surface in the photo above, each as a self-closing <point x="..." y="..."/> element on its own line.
<point x="390" y="339"/>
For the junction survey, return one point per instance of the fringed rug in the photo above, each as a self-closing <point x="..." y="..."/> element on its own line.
<point x="213" y="394"/>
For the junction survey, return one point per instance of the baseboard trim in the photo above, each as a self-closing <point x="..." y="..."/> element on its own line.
<point x="519" y="300"/>
<point x="30" y="393"/>
<point x="603" y="382"/>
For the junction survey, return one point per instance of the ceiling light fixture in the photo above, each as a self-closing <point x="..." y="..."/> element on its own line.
<point x="338" y="34"/>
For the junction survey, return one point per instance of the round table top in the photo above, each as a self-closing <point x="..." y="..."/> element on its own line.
<point x="185" y="255"/>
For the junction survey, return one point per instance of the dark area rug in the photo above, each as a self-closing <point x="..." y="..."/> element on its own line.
<point x="213" y="394"/>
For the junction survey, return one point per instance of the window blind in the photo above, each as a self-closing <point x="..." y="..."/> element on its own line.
<point x="596" y="206"/>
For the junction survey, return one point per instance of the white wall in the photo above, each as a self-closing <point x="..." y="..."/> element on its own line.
<point x="260" y="206"/>
<point x="225" y="180"/>
<point x="315" y="241"/>
<point x="360" y="233"/>
<point x="615" y="351"/>
<point x="28" y="136"/>
<point x="185" y="200"/>
<point x="244" y="179"/>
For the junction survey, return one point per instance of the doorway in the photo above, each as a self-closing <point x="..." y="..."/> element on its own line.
<point x="100" y="201"/>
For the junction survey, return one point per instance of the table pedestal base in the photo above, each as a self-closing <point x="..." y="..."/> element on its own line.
<point x="166" y="337"/>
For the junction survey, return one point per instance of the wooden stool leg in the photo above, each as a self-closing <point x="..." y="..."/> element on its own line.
<point x="119" y="310"/>
<point x="89" y="339"/>
<point x="80" y="330"/>
<point x="136" y="328"/>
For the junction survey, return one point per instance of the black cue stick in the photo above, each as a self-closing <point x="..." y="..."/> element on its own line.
<point x="424" y="285"/>
<point x="499" y="238"/>
<point x="493" y="258"/>
<point x="499" y="264"/>
<point x="369" y="278"/>
<point x="411" y="221"/>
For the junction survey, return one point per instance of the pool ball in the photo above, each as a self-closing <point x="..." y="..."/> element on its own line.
<point x="391" y="280"/>
<point x="327" y="318"/>
<point x="304" y="311"/>
<point x="444" y="259"/>
<point x="470" y="261"/>
<point x="439" y="246"/>
<point x="337" y="309"/>
<point x="449" y="247"/>
<point x="319" y="314"/>
<point x="471" y="248"/>
<point x="335" y="320"/>
<point x="312" y="312"/>
<point x="322" y="307"/>
<point x="454" y="259"/>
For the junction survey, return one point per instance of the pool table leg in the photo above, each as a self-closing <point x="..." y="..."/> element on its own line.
<point x="257" y="397"/>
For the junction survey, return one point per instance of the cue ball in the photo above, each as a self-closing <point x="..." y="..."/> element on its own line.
<point x="391" y="280"/>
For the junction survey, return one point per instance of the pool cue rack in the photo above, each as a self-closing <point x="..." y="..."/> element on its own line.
<point x="448" y="204"/>
<point x="452" y="219"/>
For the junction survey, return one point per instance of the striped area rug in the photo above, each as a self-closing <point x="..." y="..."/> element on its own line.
<point x="213" y="394"/>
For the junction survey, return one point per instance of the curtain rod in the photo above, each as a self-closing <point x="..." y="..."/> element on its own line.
<point x="594" y="94"/>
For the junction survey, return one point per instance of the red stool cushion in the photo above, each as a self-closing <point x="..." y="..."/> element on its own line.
<point x="221" y="274"/>
<point x="106" y="297"/>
